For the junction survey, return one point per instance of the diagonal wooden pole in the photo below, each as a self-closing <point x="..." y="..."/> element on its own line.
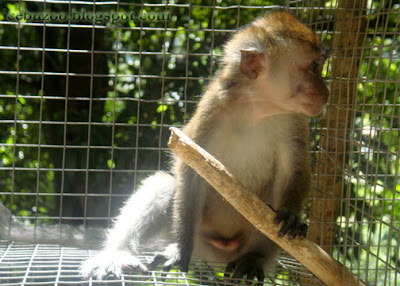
<point x="258" y="213"/>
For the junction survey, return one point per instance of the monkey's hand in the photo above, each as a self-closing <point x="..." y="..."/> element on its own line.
<point x="170" y="257"/>
<point x="250" y="265"/>
<point x="291" y="223"/>
<point x="110" y="262"/>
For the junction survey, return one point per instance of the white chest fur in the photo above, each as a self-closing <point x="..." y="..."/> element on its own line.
<point x="254" y="153"/>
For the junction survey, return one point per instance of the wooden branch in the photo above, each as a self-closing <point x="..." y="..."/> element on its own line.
<point x="258" y="213"/>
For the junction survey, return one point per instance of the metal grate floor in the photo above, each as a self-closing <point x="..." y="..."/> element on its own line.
<point x="45" y="264"/>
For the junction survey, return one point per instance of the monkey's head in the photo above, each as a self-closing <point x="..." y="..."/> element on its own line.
<point x="280" y="60"/>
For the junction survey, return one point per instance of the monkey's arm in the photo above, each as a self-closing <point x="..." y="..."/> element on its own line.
<point x="292" y="197"/>
<point x="190" y="196"/>
<point x="261" y="252"/>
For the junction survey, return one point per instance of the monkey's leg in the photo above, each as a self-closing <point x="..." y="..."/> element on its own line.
<point x="187" y="207"/>
<point x="289" y="208"/>
<point x="254" y="262"/>
<point x="144" y="223"/>
<point x="250" y="265"/>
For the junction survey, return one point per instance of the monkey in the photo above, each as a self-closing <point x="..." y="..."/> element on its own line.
<point x="254" y="118"/>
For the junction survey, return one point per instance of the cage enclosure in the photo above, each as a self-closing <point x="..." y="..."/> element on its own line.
<point x="89" y="89"/>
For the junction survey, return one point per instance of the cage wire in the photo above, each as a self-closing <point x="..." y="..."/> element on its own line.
<point x="86" y="102"/>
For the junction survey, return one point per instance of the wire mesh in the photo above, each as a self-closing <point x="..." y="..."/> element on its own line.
<point x="46" y="264"/>
<point x="86" y="103"/>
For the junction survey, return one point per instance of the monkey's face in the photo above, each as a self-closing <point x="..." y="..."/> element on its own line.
<point x="293" y="82"/>
<point x="308" y="86"/>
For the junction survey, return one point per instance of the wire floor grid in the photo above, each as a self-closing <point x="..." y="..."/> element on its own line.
<point x="47" y="264"/>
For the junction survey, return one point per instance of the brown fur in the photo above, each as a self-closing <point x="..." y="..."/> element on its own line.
<point x="261" y="136"/>
<point x="254" y="119"/>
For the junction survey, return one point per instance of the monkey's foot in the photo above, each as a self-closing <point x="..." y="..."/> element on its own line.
<point x="110" y="262"/>
<point x="291" y="223"/>
<point x="170" y="257"/>
<point x="249" y="265"/>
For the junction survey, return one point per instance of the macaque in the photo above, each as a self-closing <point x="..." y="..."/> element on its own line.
<point x="254" y="118"/>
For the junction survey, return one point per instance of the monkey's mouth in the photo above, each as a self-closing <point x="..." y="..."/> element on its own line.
<point x="312" y="109"/>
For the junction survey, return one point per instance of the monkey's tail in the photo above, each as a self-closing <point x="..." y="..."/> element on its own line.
<point x="13" y="229"/>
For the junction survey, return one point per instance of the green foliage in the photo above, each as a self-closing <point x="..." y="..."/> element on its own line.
<point x="156" y="76"/>
<point x="372" y="216"/>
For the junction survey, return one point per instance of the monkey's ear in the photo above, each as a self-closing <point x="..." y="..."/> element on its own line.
<point x="251" y="63"/>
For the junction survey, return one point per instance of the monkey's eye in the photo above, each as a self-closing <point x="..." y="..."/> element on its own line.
<point x="315" y="68"/>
